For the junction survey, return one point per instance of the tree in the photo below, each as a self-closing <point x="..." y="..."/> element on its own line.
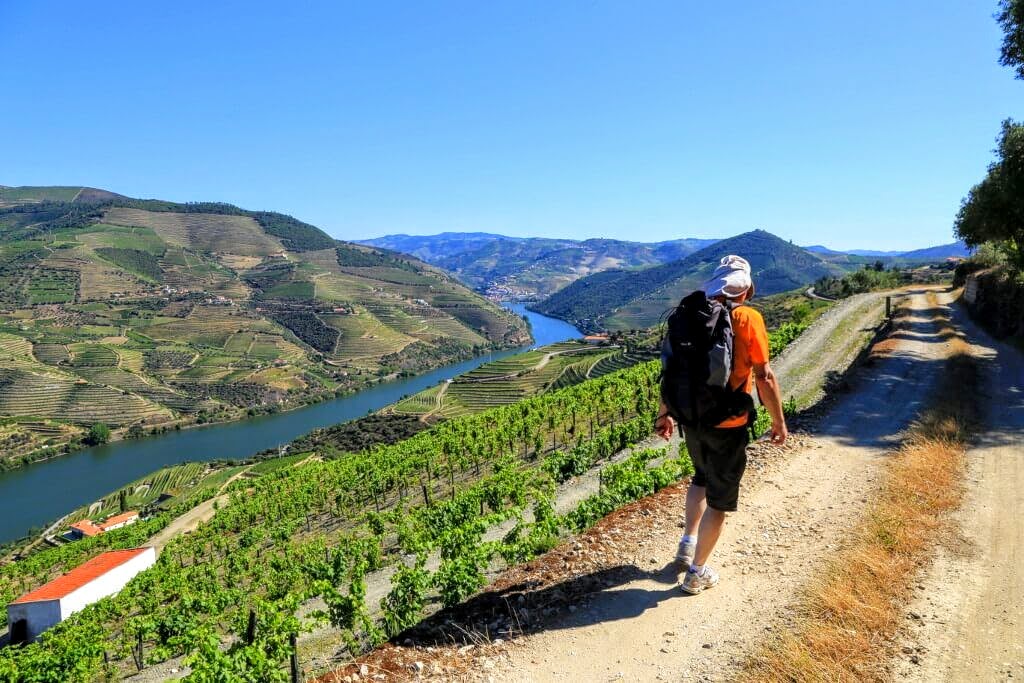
<point x="98" y="434"/>
<point x="993" y="210"/>
<point x="1011" y="19"/>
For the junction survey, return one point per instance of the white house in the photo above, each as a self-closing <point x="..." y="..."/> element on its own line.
<point x="50" y="604"/>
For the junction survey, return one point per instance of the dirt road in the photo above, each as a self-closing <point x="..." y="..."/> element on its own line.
<point x="828" y="347"/>
<point x="794" y="513"/>
<point x="967" y="619"/>
<point x="191" y="520"/>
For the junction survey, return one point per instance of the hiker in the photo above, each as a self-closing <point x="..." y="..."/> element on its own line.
<point x="714" y="414"/>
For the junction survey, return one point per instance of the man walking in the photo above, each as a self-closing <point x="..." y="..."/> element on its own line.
<point x="719" y="452"/>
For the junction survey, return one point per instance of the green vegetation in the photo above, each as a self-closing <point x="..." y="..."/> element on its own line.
<point x="139" y="262"/>
<point x="294" y="234"/>
<point x="1011" y="20"/>
<point x="146" y="314"/>
<point x="868" y="279"/>
<point x="511" y="379"/>
<point x="300" y="532"/>
<point x="98" y="434"/>
<point x="992" y="211"/>
<point x="621" y="299"/>
<point x="301" y="528"/>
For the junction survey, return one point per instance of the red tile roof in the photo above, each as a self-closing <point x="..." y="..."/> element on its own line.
<point x="118" y="519"/>
<point x="80" y="575"/>
<point x="87" y="528"/>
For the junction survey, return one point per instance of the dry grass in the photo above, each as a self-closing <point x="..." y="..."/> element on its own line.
<point x="850" y="617"/>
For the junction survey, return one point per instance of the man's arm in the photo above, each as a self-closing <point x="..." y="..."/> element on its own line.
<point x="771" y="396"/>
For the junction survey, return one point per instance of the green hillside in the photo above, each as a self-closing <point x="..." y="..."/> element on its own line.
<point x="531" y="267"/>
<point x="145" y="314"/>
<point x="623" y="299"/>
<point x="34" y="195"/>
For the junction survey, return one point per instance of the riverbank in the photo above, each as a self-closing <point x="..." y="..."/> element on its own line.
<point x="76" y="438"/>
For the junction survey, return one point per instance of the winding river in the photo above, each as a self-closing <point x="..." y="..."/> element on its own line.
<point x="37" y="494"/>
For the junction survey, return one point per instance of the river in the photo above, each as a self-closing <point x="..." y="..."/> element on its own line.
<point x="37" y="494"/>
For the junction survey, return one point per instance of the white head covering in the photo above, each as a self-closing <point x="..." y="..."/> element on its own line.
<point x="731" y="279"/>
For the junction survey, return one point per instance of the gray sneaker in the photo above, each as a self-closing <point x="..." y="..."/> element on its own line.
<point x="685" y="553"/>
<point x="695" y="583"/>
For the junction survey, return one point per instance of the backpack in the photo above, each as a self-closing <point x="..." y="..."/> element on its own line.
<point x="696" y="361"/>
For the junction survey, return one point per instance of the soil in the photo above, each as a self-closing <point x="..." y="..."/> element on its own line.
<point x="967" y="619"/>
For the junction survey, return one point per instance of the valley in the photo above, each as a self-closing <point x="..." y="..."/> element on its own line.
<point x="89" y="473"/>
<point x="144" y="316"/>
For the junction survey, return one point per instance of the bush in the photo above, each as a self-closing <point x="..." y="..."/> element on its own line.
<point x="98" y="434"/>
<point x="989" y="255"/>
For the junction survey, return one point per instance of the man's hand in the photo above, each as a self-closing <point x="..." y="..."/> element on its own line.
<point x="664" y="426"/>
<point x="779" y="433"/>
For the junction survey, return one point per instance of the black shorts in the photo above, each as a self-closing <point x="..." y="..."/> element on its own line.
<point x="719" y="457"/>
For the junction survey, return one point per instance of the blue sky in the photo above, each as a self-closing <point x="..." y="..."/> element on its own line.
<point x="849" y="124"/>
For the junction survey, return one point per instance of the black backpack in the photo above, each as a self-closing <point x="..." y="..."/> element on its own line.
<point x="696" y="361"/>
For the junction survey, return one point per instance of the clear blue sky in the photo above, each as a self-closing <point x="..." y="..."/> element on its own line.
<point x="849" y="124"/>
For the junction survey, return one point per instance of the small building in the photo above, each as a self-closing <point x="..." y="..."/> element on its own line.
<point x="52" y="603"/>
<point x="118" y="521"/>
<point x="596" y="338"/>
<point x="87" y="528"/>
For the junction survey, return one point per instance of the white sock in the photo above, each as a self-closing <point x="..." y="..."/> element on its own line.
<point x="689" y="539"/>
<point x="697" y="569"/>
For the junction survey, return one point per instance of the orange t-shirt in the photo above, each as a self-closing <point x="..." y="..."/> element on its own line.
<point x="750" y="348"/>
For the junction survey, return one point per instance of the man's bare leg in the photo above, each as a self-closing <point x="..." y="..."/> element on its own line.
<point x="696" y="503"/>
<point x="711" y="524"/>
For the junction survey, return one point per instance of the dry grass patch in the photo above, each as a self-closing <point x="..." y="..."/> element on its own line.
<point x="850" y="617"/>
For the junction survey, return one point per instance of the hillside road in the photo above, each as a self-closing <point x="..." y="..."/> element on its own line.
<point x="967" y="618"/>
<point x="794" y="514"/>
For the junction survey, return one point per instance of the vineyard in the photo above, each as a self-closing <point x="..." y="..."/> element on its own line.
<point x="511" y="379"/>
<point x="301" y="533"/>
<point x="415" y="514"/>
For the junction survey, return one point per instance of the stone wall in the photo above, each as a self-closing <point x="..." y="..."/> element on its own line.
<point x="995" y="298"/>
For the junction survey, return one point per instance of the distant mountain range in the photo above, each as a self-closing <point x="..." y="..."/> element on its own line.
<point x="954" y="249"/>
<point x="623" y="299"/>
<point x="531" y="267"/>
<point x="536" y="267"/>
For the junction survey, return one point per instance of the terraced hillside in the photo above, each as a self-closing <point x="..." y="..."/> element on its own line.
<point x="143" y="314"/>
<point x="509" y="380"/>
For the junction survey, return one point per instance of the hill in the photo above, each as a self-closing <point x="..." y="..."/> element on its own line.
<point x="144" y="314"/>
<point x="956" y="249"/>
<point x="622" y="299"/>
<point x="531" y="267"/>
<point x="28" y="194"/>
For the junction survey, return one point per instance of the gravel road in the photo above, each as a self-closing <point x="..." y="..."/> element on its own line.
<point x="967" y="619"/>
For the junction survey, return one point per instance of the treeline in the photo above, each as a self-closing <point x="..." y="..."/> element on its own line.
<point x="358" y="258"/>
<point x="308" y="327"/>
<point x="869" y="278"/>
